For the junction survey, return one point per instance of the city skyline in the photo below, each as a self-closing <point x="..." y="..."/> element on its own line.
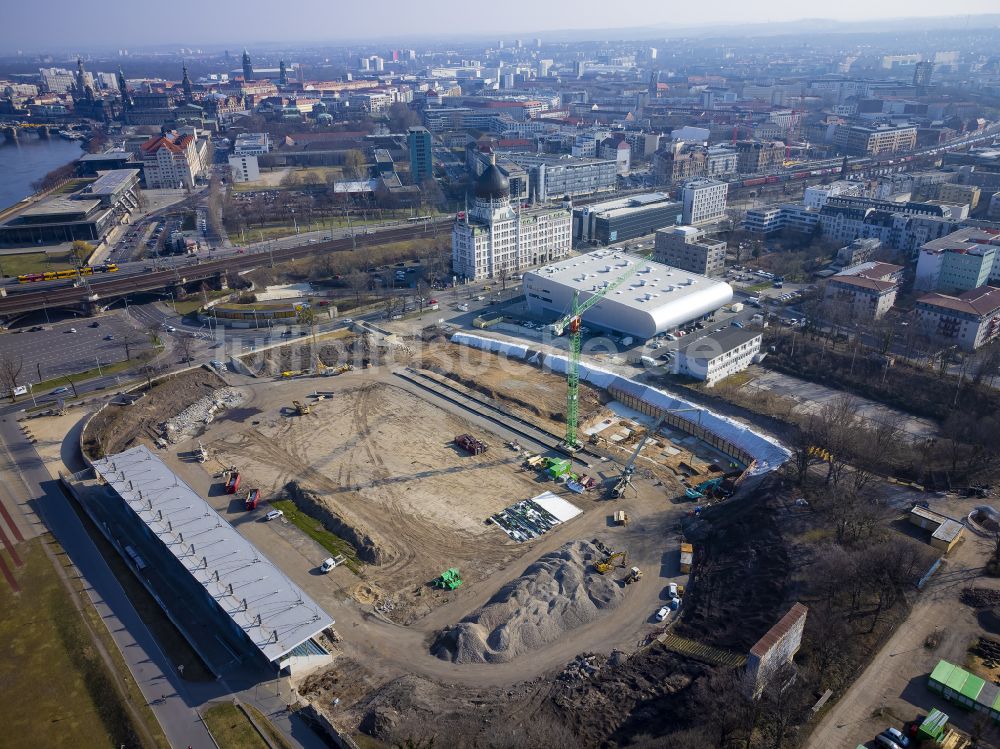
<point x="220" y="24"/>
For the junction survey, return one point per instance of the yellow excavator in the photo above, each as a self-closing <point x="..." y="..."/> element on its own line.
<point x="618" y="559"/>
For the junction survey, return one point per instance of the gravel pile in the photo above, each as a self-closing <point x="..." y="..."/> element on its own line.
<point x="192" y="419"/>
<point x="559" y="592"/>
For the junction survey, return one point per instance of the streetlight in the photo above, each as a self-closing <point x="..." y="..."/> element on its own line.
<point x="99" y="370"/>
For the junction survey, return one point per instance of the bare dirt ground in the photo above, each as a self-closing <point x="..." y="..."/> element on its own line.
<point x="118" y="428"/>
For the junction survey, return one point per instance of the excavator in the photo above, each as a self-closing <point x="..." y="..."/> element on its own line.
<point x="618" y="559"/>
<point x="625" y="480"/>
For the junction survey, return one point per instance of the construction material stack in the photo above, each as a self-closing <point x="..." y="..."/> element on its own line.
<point x="687" y="557"/>
<point x="470" y="444"/>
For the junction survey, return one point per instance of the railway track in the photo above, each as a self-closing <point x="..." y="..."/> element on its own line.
<point x="105" y="289"/>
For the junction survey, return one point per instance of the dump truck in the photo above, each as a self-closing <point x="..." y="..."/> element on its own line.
<point x="301" y="408"/>
<point x="232" y="482"/>
<point x="621" y="517"/>
<point x="470" y="444"/>
<point x="618" y="559"/>
<point x="253" y="497"/>
<point x="634" y="575"/>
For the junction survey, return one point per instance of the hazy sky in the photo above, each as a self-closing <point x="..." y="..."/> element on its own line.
<point x="68" y="24"/>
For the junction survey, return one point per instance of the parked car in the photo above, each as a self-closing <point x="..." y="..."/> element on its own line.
<point x="328" y="564"/>
<point x="109" y="338"/>
<point x="274" y="515"/>
<point x="896" y="735"/>
<point x="662" y="614"/>
<point x="94" y="324"/>
<point x="672" y="590"/>
<point x="71" y="330"/>
<point x="884" y="742"/>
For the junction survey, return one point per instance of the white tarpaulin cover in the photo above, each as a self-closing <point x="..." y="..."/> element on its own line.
<point x="557" y="507"/>
<point x="767" y="452"/>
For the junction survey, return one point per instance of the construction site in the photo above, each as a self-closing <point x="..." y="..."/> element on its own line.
<point x="476" y="547"/>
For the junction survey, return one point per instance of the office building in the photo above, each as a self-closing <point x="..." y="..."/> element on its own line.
<point x="874" y="140"/>
<point x="89" y="214"/>
<point x="656" y="299"/>
<point x="171" y="161"/>
<point x="715" y="356"/>
<point x="954" y="265"/>
<point x="625" y="218"/>
<point x="971" y="239"/>
<point x="969" y="320"/>
<point x="816" y="196"/>
<point x="493" y="238"/>
<point x="553" y="177"/>
<point x="867" y="290"/>
<point x="244" y="168"/>
<point x="923" y="72"/>
<point x="687" y="248"/>
<point x="704" y="200"/>
<point x="252" y="144"/>
<point x="421" y="146"/>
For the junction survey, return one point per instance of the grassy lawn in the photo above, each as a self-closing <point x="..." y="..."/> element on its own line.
<point x="231" y="728"/>
<point x="57" y="690"/>
<point x="187" y="306"/>
<point x="35" y="262"/>
<point x="318" y="532"/>
<point x="70" y="185"/>
<point x="277" y="737"/>
<point x="108" y="369"/>
<point x="759" y="286"/>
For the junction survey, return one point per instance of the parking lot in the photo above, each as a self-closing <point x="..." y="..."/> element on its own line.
<point x="70" y="346"/>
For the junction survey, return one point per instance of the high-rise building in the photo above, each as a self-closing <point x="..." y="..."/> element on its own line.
<point x="421" y="154"/>
<point x="282" y="73"/>
<point x="492" y="239"/>
<point x="247" y="66"/>
<point x="922" y="73"/>
<point x="704" y="200"/>
<point x="186" y="86"/>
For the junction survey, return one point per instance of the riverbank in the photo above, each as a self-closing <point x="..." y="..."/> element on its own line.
<point x="30" y="159"/>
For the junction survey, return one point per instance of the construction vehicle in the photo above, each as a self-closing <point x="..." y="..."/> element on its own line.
<point x="232" y="481"/>
<point x="625" y="480"/>
<point x="573" y="322"/>
<point x="290" y="373"/>
<point x="253" y="496"/>
<point x="634" y="575"/>
<point x="449" y="579"/>
<point x="621" y="517"/>
<point x="618" y="559"/>
<point x="202" y="453"/>
<point x="301" y="408"/>
<point x="705" y="487"/>
<point x="341" y="369"/>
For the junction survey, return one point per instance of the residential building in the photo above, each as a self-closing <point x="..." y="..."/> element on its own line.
<point x="754" y="156"/>
<point x="857" y="252"/>
<point x="959" y="194"/>
<point x="971" y="238"/>
<point x="656" y="299"/>
<point x="715" y="356"/>
<point x="772" y="219"/>
<point x="679" y="161"/>
<point x="57" y="80"/>
<point x="244" y="168"/>
<point x="704" y="200"/>
<point x="421" y="146"/>
<point x="252" y="144"/>
<point x="687" y="248"/>
<point x="969" y="320"/>
<point x="492" y="238"/>
<point x="720" y="161"/>
<point x="816" y="196"/>
<point x="874" y="140"/>
<point x="867" y="290"/>
<point x="171" y="161"/>
<point x="625" y="218"/>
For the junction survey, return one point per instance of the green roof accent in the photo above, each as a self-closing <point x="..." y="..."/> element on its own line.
<point x="934" y="724"/>
<point x="942" y="671"/>
<point x="950" y="676"/>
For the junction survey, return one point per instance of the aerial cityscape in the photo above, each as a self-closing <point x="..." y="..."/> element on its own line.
<point x="416" y="377"/>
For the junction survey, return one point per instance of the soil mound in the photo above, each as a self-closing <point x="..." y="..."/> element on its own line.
<point x="559" y="592"/>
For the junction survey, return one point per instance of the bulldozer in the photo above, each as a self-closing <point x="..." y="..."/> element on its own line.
<point x="618" y="559"/>
<point x="301" y="408"/>
<point x="634" y="575"/>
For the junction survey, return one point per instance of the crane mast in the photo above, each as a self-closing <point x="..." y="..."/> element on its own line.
<point x="572" y="323"/>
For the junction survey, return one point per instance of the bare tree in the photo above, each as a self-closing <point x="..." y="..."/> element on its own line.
<point x="10" y="373"/>
<point x="186" y="345"/>
<point x="358" y="282"/>
<point x="126" y="343"/>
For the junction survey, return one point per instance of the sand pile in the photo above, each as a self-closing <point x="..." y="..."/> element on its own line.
<point x="559" y="592"/>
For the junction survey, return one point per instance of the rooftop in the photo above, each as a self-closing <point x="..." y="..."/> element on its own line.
<point x="652" y="285"/>
<point x="710" y="345"/>
<point x="871" y="269"/>
<point x="779" y="630"/>
<point x="61" y="206"/>
<point x="111" y="181"/>
<point x="646" y="198"/>
<point x="270" y="609"/>
<point x="978" y="302"/>
<point x="965" y="239"/>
